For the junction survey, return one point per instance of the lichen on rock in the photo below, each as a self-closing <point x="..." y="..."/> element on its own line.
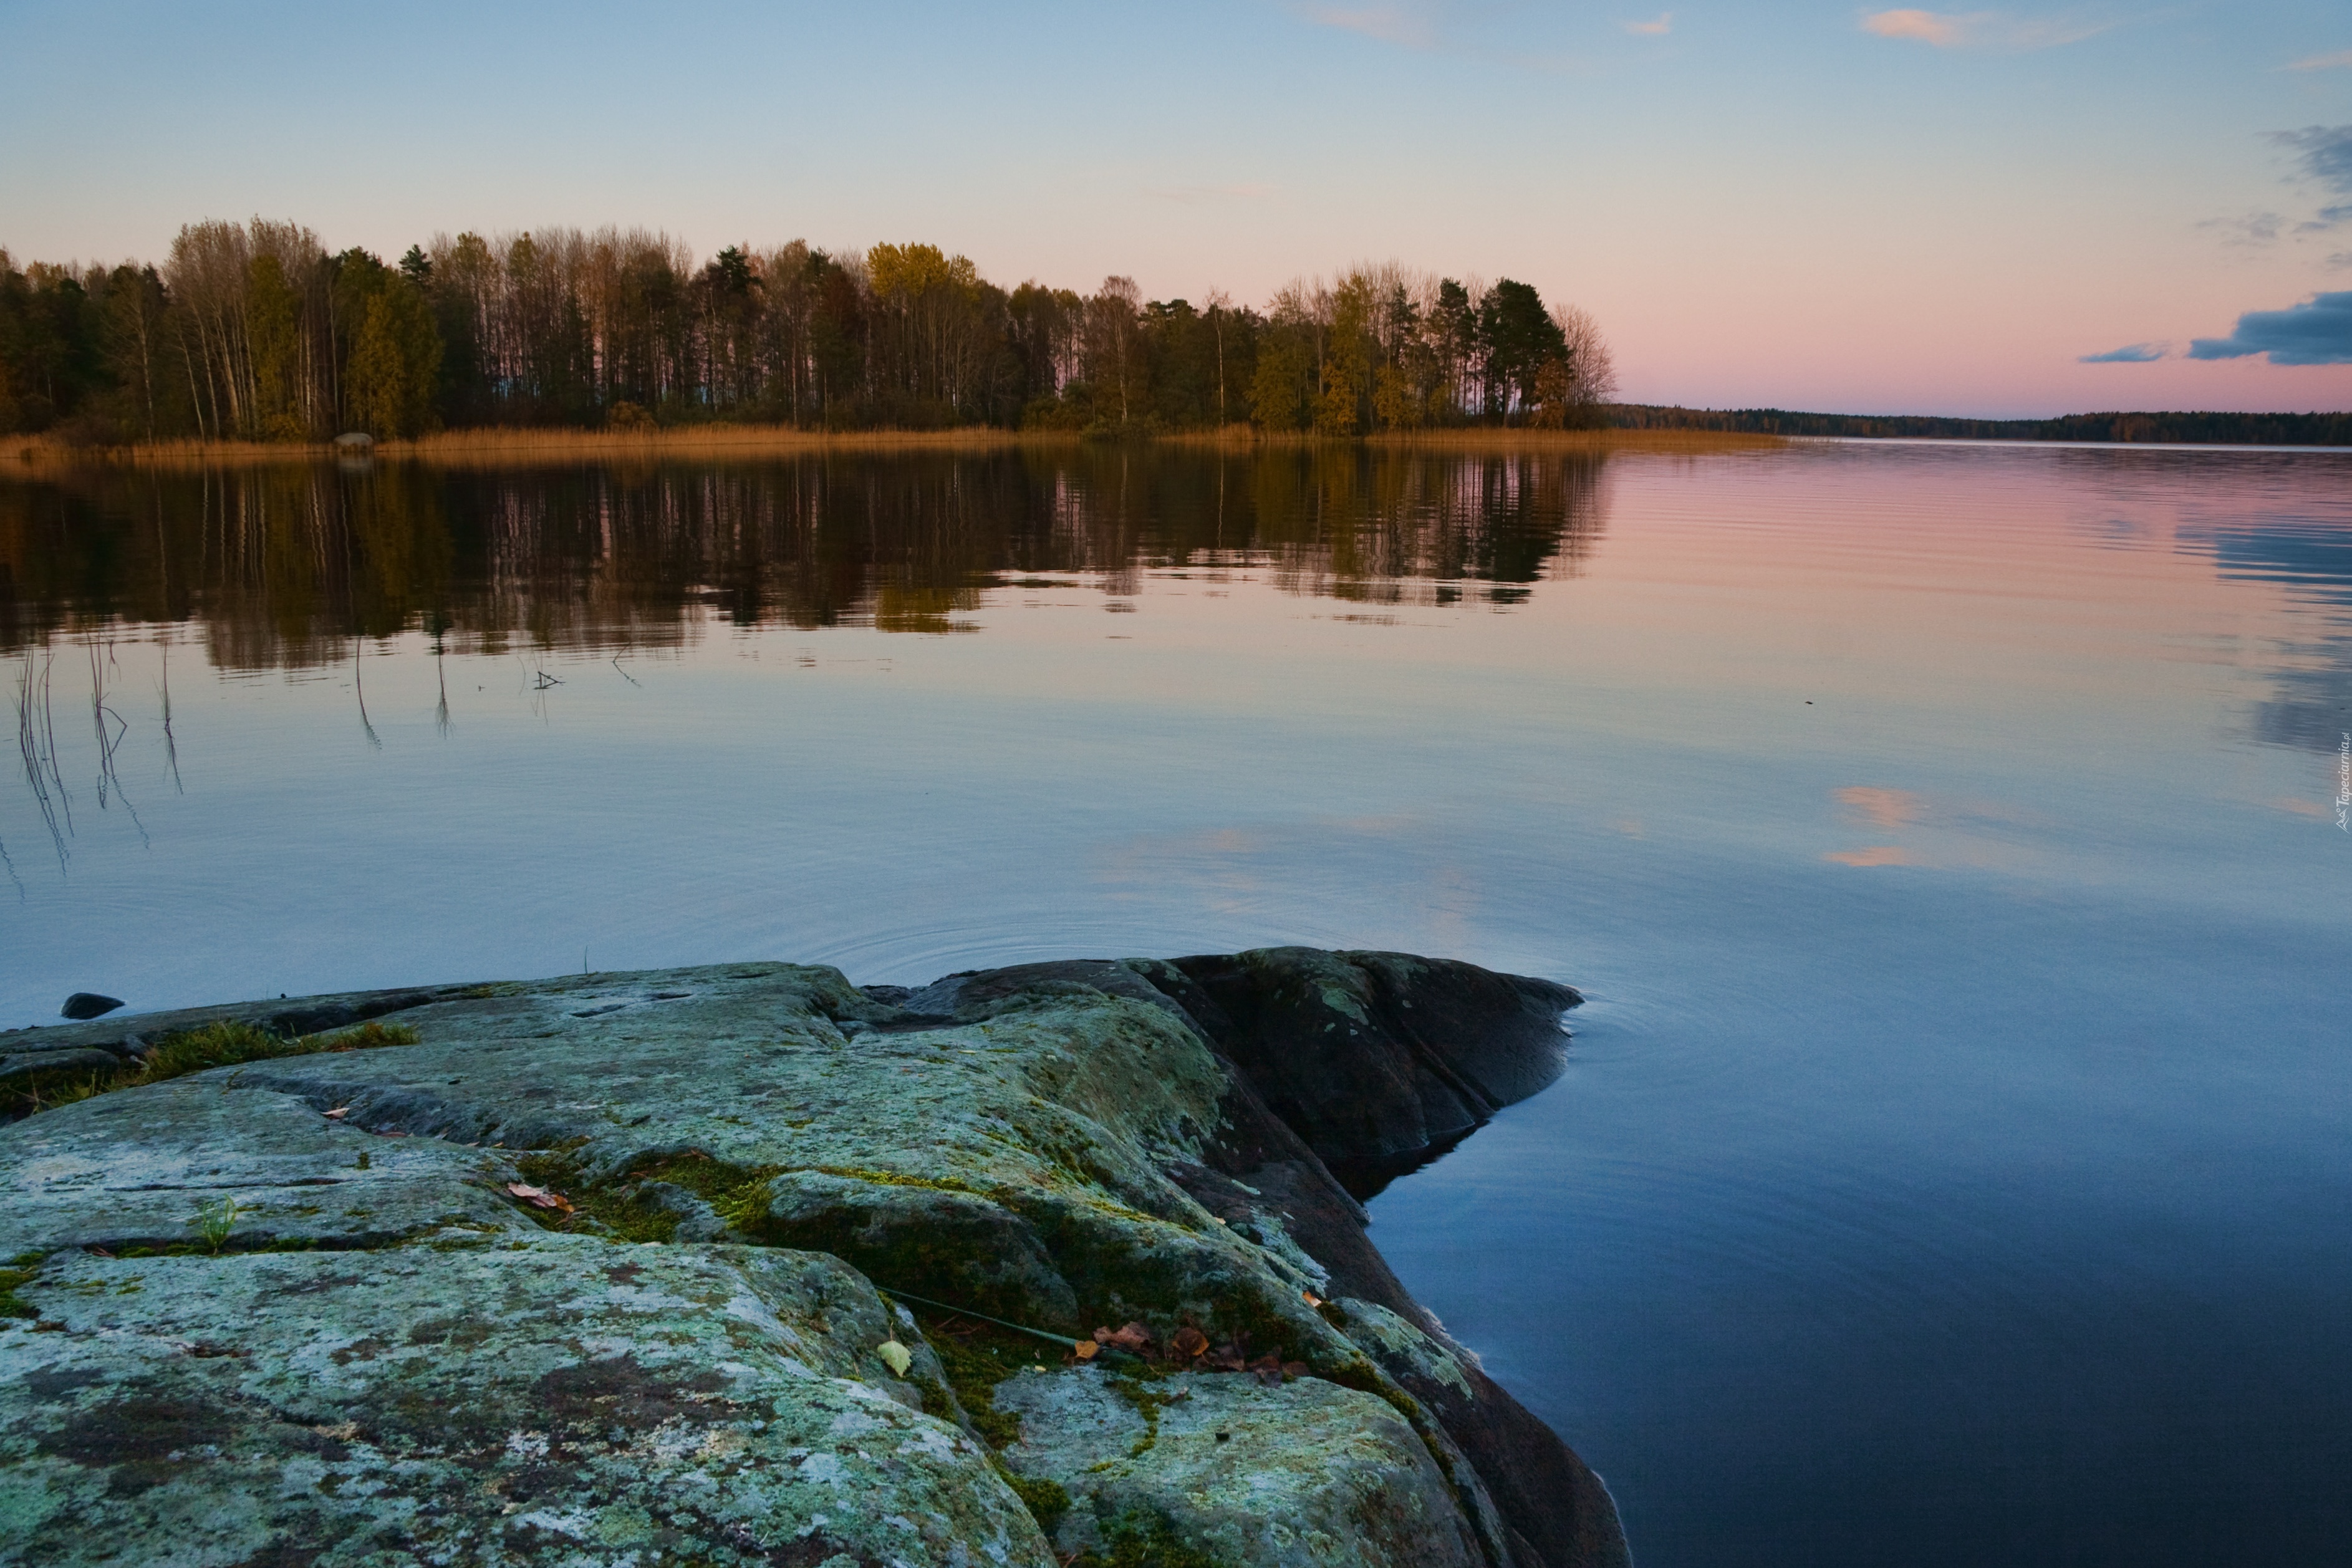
<point x="526" y="1401"/>
<point x="597" y="1270"/>
<point x="1249" y="1475"/>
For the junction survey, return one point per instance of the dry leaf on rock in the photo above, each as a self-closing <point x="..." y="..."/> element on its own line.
<point x="538" y="1197"/>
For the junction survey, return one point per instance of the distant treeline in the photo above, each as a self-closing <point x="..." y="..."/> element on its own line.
<point x="2191" y="429"/>
<point x="255" y="331"/>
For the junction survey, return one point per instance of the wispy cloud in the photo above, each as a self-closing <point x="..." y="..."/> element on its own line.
<point x="1657" y="29"/>
<point x="2316" y="332"/>
<point x="1415" y="29"/>
<point x="1447" y="28"/>
<point x="2323" y="158"/>
<point x="2340" y="61"/>
<point x="1247" y="192"/>
<point x="2129" y="354"/>
<point x="1979" y="29"/>
<point x="2325" y="151"/>
<point x="1925" y="26"/>
<point x="2255" y="228"/>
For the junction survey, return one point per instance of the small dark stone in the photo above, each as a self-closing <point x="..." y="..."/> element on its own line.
<point x="87" y="1005"/>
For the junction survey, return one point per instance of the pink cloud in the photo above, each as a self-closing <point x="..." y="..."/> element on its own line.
<point x="1925" y="26"/>
<point x="1978" y="29"/>
<point x="1390" y="23"/>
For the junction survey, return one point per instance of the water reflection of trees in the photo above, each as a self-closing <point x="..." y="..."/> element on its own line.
<point x="281" y="568"/>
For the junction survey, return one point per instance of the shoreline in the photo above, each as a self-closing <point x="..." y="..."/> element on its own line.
<point x="31" y="456"/>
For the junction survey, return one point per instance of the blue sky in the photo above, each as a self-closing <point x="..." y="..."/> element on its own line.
<point x="1810" y="205"/>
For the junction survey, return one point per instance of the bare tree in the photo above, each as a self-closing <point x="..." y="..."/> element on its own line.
<point x="1591" y="369"/>
<point x="1114" y="338"/>
<point x="1216" y="305"/>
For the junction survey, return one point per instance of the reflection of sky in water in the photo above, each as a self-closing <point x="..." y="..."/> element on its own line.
<point x="1952" y="1167"/>
<point x="2311" y="557"/>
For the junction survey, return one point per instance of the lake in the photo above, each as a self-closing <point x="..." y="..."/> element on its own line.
<point x="1955" y="1166"/>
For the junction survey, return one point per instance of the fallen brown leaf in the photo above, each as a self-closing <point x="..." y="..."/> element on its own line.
<point x="538" y="1197"/>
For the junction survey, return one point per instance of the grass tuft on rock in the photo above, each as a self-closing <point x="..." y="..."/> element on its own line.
<point x="627" y="1211"/>
<point x="226" y="1042"/>
<point x="1144" y="1540"/>
<point x="13" y="1306"/>
<point x="977" y="1358"/>
<point x="1047" y="1501"/>
<point x="736" y="1193"/>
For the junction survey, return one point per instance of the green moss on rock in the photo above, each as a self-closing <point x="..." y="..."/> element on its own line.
<point x="1145" y="1540"/>
<point x="227" y="1042"/>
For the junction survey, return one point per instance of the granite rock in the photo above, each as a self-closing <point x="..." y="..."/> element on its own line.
<point x="683" y="1195"/>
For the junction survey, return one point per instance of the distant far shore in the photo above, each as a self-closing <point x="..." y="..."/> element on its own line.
<point x="2173" y="429"/>
<point x="513" y="445"/>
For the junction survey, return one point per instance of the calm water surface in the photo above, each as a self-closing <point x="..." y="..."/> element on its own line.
<point x="1954" y="1168"/>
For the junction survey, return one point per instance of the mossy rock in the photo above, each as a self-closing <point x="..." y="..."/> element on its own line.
<point x="1236" y="1473"/>
<point x="618" y="1235"/>
<point x="553" y="1401"/>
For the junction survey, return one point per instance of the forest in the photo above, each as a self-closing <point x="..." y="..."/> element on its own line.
<point x="255" y="331"/>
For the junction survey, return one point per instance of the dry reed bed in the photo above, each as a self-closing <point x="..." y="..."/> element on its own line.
<point x="503" y="447"/>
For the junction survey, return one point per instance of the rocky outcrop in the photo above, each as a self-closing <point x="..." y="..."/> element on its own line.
<point x="602" y="1270"/>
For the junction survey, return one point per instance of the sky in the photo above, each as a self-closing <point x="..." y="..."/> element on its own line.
<point x="1997" y="214"/>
